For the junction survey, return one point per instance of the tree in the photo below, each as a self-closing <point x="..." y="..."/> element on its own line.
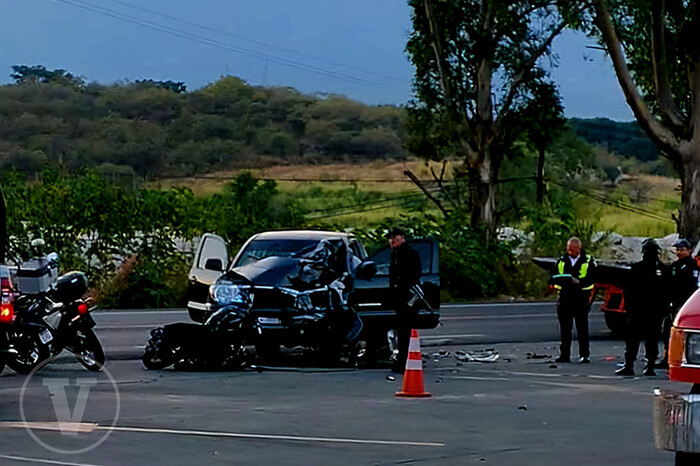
<point x="477" y="64"/>
<point x="40" y="75"/>
<point x="544" y="114"/>
<point x="655" y="51"/>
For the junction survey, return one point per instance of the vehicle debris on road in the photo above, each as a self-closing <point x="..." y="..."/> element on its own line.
<point x="484" y="356"/>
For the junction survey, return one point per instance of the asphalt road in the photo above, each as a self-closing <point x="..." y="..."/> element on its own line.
<point x="124" y="333"/>
<point x="517" y="411"/>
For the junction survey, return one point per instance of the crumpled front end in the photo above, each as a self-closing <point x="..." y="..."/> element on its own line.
<point x="676" y="421"/>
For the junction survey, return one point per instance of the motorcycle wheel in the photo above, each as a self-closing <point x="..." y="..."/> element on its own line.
<point x="30" y="354"/>
<point x="88" y="349"/>
<point x="154" y="360"/>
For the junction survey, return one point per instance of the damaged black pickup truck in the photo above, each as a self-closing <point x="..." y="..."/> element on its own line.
<point x="263" y="266"/>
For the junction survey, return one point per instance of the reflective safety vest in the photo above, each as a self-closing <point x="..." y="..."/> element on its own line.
<point x="583" y="272"/>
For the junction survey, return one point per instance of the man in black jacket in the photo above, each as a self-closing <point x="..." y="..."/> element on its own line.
<point x="404" y="273"/>
<point x="646" y="303"/>
<point x="685" y="275"/>
<point x="574" y="276"/>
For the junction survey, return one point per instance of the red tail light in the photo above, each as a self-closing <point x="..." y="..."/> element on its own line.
<point x="7" y="313"/>
<point x="5" y="285"/>
<point x="82" y="309"/>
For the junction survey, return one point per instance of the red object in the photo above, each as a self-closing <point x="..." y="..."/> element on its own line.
<point x="7" y="313"/>
<point x="614" y="300"/>
<point x="82" y="309"/>
<point x="688" y="318"/>
<point x="413" y="386"/>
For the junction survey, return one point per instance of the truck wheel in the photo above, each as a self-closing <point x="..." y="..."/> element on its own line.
<point x="616" y="322"/>
<point x="687" y="459"/>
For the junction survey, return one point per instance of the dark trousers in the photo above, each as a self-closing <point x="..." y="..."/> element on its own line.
<point x="569" y="311"/>
<point x="405" y="318"/>
<point x="666" y="330"/>
<point x="646" y="329"/>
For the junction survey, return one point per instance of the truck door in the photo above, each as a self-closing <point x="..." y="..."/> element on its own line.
<point x="371" y="297"/>
<point x="210" y="261"/>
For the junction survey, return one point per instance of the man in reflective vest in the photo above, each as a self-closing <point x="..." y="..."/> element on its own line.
<point x="573" y="275"/>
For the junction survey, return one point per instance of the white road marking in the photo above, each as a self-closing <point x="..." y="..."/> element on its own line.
<point x="534" y="374"/>
<point x="136" y="311"/>
<point x="445" y="337"/>
<point x="458" y="306"/>
<point x="42" y="461"/>
<point x="473" y="377"/>
<point x="511" y="316"/>
<point x="125" y="327"/>
<point x="199" y="433"/>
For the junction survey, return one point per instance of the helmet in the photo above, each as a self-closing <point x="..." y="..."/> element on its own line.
<point x="650" y="245"/>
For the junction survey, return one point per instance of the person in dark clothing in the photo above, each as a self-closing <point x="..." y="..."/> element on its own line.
<point x="646" y="303"/>
<point x="404" y="273"/>
<point x="685" y="275"/>
<point x="573" y="275"/>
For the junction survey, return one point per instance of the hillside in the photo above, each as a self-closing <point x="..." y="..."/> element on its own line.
<point x="623" y="138"/>
<point x="152" y="129"/>
<point x="53" y="119"/>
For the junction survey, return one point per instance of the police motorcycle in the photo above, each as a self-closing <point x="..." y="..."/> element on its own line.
<point x="292" y="301"/>
<point x="50" y="315"/>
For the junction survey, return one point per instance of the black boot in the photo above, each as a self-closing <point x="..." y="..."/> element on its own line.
<point x="626" y="371"/>
<point x="649" y="371"/>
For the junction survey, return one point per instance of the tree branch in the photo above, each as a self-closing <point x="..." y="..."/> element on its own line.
<point x="661" y="135"/>
<point x="428" y="194"/>
<point x="439" y="180"/>
<point x="521" y="76"/>
<point x="667" y="105"/>
<point x="435" y="43"/>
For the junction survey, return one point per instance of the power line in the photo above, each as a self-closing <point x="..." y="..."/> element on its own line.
<point x="291" y="180"/>
<point x="254" y="41"/>
<point x="214" y="43"/>
<point x="620" y="205"/>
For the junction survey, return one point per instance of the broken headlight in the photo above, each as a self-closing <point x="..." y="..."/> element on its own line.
<point x="231" y="294"/>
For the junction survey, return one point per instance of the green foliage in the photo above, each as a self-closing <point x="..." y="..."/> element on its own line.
<point x="127" y="239"/>
<point x="51" y="119"/>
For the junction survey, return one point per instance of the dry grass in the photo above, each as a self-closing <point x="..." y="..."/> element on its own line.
<point x="329" y="176"/>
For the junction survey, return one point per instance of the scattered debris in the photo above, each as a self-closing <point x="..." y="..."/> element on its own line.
<point x="482" y="460"/>
<point x="553" y="366"/>
<point x="538" y="356"/>
<point x="486" y="356"/>
<point x="390" y="378"/>
<point x="438" y="380"/>
<point x="522" y="408"/>
<point x="441" y="354"/>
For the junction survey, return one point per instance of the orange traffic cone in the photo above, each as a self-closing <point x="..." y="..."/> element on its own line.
<point x="413" y="376"/>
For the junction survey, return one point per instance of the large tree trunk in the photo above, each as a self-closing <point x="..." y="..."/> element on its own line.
<point x="482" y="184"/>
<point x="690" y="197"/>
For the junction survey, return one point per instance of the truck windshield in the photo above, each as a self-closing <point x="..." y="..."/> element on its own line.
<point x="260" y="249"/>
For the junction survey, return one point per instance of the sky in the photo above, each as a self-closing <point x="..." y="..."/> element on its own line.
<point x="316" y="46"/>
